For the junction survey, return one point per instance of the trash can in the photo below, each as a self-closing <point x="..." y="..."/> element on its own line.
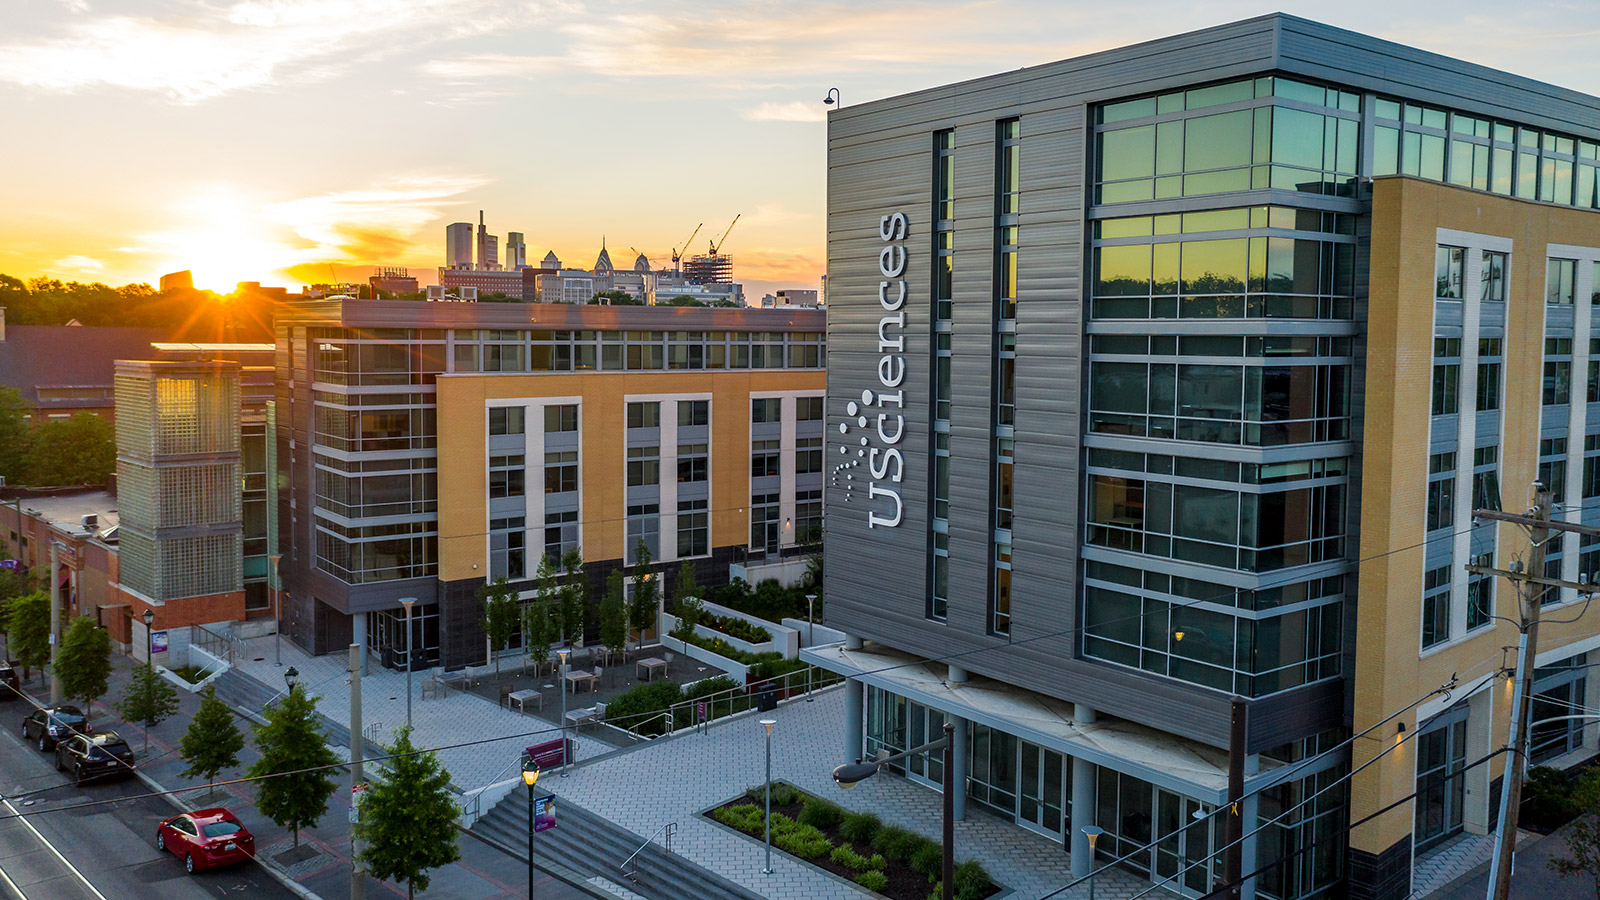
<point x="767" y="698"/>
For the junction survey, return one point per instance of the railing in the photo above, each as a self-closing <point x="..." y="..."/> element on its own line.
<point x="477" y="795"/>
<point x="724" y="703"/>
<point x="221" y="646"/>
<point x="668" y="830"/>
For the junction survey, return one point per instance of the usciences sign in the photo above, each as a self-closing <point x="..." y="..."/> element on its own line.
<point x="881" y="413"/>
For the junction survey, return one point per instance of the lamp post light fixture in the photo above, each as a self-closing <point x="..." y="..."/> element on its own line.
<point x="811" y="638"/>
<point x="407" y="602"/>
<point x="566" y="743"/>
<point x="834" y="97"/>
<point x="767" y="724"/>
<point x="849" y="775"/>
<point x="530" y="776"/>
<point x="149" y="617"/>
<point x="290" y="676"/>
<point x="1092" y="832"/>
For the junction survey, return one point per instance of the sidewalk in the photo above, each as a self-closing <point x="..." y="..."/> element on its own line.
<point x="324" y="870"/>
<point x="1530" y="877"/>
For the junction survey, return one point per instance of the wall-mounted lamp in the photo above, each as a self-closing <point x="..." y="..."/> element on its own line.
<point x="833" y="98"/>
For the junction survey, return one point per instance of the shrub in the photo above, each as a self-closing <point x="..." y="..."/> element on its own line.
<point x="639" y="704"/>
<point x="860" y="828"/>
<point x="767" y="670"/>
<point x="878" y="862"/>
<point x="971" y="880"/>
<point x="784" y="794"/>
<point x="873" y="880"/>
<point x="927" y="859"/>
<point x="745" y="817"/>
<point x="895" y="842"/>
<point x="801" y="840"/>
<point x="820" y="813"/>
<point x="849" y="858"/>
<point x="1547" y="798"/>
<point x="738" y="628"/>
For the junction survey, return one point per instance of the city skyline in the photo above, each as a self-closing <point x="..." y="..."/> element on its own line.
<point x="237" y="155"/>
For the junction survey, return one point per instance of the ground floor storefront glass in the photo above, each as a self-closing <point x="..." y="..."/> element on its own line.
<point x="386" y="635"/>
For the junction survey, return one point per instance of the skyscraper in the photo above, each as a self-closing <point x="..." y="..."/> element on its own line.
<point x="458" y="245"/>
<point x="488" y="246"/>
<point x="516" y="251"/>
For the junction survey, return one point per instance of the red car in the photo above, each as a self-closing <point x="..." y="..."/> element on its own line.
<point x="206" y="838"/>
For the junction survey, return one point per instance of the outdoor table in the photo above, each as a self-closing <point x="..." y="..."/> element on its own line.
<point x="577" y="718"/>
<point x="650" y="665"/>
<point x="521" y="698"/>
<point x="580" y="677"/>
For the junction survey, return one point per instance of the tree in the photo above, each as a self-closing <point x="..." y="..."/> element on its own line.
<point x="28" y="630"/>
<point x="539" y="630"/>
<point x="212" y="742"/>
<point x="16" y="440"/>
<point x="614" y="615"/>
<point x="615" y="298"/>
<point x="1583" y="834"/>
<point x="502" y="618"/>
<point x="685" y="585"/>
<point x="149" y="700"/>
<point x="408" y="820"/>
<point x="681" y="300"/>
<point x="79" y="450"/>
<point x="642" y="610"/>
<point x="84" y="663"/>
<point x="291" y="743"/>
<point x="574" y="598"/>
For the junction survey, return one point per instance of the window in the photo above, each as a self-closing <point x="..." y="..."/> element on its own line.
<point x="1449" y="267"/>
<point x="560" y="535"/>
<point x="1486" y="478"/>
<point x="1436" y="606"/>
<point x="693" y="412"/>
<point x="1446" y="375"/>
<point x="766" y="409"/>
<point x="1006" y="378"/>
<point x="644" y="415"/>
<point x="1004" y="500"/>
<point x="1000" y="614"/>
<point x="1560" y="279"/>
<point x="939" y="584"/>
<point x="1480" y="594"/>
<point x="1591" y="466"/>
<point x="764" y="458"/>
<point x="941" y="376"/>
<point x="560" y="418"/>
<point x="1488" y="373"/>
<point x="764" y="521"/>
<point x="1494" y="277"/>
<point x="1557" y="385"/>
<point x="644" y="524"/>
<point x="1441" y="782"/>
<point x="561" y="472"/>
<point x="693" y="534"/>
<point x="506" y="419"/>
<point x="1441" y="491"/>
<point x="1008" y="197"/>
<point x="508" y="548"/>
<point x="693" y="460"/>
<point x="1558" y="690"/>
<point x="808" y="409"/>
<point x="506" y="476"/>
<point x="1553" y="466"/>
<point x="1593" y="390"/>
<point x="941" y="475"/>
<point x="944" y="186"/>
<point x="808" y="516"/>
<point x="644" y="466"/>
<point x="807" y="456"/>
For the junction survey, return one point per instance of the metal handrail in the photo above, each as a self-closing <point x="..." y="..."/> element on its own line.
<point x="670" y="828"/>
<point x="786" y="680"/>
<point x="477" y="795"/>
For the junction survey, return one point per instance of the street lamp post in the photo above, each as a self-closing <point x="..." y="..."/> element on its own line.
<point x="277" y="611"/>
<point x="290" y="676"/>
<point x="407" y="602"/>
<point x="767" y="724"/>
<point x="811" y="639"/>
<point x="149" y="617"/>
<point x="566" y="743"/>
<point x="833" y="97"/>
<point x="1092" y="832"/>
<point x="530" y="776"/>
<point x="849" y="775"/>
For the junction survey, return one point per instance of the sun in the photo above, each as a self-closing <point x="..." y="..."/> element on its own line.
<point x="222" y="237"/>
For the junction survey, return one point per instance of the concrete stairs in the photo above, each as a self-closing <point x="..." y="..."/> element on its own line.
<point x="243" y="692"/>
<point x="593" y="846"/>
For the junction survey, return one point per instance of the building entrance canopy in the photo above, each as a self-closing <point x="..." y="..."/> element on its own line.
<point x="1188" y="767"/>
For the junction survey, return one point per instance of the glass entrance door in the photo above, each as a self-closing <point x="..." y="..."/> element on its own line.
<point x="1042" y="790"/>
<point x="1183" y="843"/>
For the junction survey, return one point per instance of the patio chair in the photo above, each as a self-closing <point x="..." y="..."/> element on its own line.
<point x="505" y="694"/>
<point x="433" y="687"/>
<point x="598" y="672"/>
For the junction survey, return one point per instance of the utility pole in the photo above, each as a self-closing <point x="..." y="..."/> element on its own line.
<point x="1531" y="585"/>
<point x="55" y="620"/>
<point x="358" y="876"/>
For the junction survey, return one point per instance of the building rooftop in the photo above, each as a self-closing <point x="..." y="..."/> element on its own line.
<point x="417" y="314"/>
<point x="66" y="511"/>
<point x="36" y="358"/>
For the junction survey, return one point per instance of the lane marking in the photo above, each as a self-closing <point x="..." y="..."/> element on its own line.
<point x="19" y="817"/>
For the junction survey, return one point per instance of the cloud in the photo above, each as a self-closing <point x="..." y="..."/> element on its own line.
<point x="370" y="224"/>
<point x="212" y="49"/>
<point x="81" y="264"/>
<point x="793" y="111"/>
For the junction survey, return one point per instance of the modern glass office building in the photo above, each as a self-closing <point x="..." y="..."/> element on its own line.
<point x="1172" y="374"/>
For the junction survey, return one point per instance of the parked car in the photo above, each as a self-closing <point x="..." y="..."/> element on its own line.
<point x="206" y="838"/>
<point x="54" y="724"/>
<point x="89" y="756"/>
<point x="10" y="685"/>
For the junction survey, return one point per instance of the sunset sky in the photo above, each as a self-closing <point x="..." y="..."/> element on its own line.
<point x="291" y="141"/>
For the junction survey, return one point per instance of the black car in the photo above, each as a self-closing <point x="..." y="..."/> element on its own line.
<point x="10" y="686"/>
<point x="89" y="756"/>
<point x="54" y="724"/>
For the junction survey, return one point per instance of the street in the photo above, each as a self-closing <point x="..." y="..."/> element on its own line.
<point x="111" y="846"/>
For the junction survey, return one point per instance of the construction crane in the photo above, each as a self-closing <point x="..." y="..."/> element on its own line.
<point x="676" y="255"/>
<point x="717" y="246"/>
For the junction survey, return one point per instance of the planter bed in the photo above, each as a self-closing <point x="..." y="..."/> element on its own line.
<point x="892" y="861"/>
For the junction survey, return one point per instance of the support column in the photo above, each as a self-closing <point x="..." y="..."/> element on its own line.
<point x="958" y="676"/>
<point x="1083" y="777"/>
<point x="854" y="721"/>
<point x="1249" y="811"/>
<point x="358" y="636"/>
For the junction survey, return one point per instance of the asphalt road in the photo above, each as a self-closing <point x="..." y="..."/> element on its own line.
<point x="110" y="847"/>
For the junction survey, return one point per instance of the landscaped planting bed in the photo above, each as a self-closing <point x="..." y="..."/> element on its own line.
<point x="893" y="861"/>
